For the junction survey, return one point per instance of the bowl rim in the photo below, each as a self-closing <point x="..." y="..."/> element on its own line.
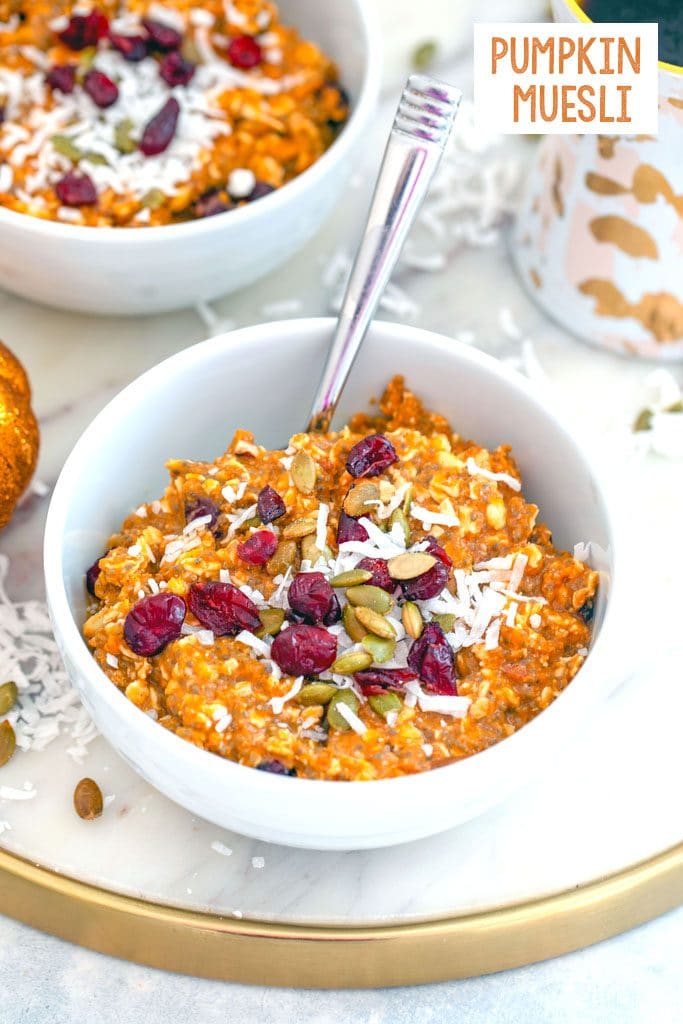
<point x="361" y="111"/>
<point x="569" y="706"/>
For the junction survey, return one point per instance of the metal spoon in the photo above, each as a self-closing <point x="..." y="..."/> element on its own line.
<point x="422" y="126"/>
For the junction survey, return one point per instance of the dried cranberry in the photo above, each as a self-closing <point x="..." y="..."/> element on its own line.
<point x="62" y="77"/>
<point x="350" y="529"/>
<point x="210" y="204"/>
<point x="335" y="612"/>
<point x="223" y="608"/>
<point x="84" y="30"/>
<point x="76" y="189"/>
<point x="244" y="52"/>
<point x="275" y="768"/>
<point x="100" y="88"/>
<point x="260" y="189"/>
<point x="198" y="506"/>
<point x="304" y="650"/>
<point x="175" y="70"/>
<point x="380" y="573"/>
<point x="92" y="575"/>
<point x="377" y="680"/>
<point x="153" y="623"/>
<point x="162" y="36"/>
<point x="311" y="596"/>
<point x="131" y="48"/>
<point x="587" y="610"/>
<point x="270" y="505"/>
<point x="431" y="659"/>
<point x="371" y="456"/>
<point x="429" y="584"/>
<point x="434" y="548"/>
<point x="258" y="548"/>
<point x="160" y="130"/>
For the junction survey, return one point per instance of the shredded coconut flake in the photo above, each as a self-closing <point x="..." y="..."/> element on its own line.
<point x="278" y="703"/>
<point x="476" y="470"/>
<point x="350" y="716"/>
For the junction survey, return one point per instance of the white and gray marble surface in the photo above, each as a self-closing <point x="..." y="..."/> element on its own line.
<point x="76" y="363"/>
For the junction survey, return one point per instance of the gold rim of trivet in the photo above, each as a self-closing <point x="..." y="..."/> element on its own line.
<point x="258" y="952"/>
<point x="576" y="9"/>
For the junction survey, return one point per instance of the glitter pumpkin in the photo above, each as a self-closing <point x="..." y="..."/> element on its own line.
<point x="19" y="437"/>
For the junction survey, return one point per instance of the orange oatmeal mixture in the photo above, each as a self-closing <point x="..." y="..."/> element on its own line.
<point x="366" y="604"/>
<point x="140" y="113"/>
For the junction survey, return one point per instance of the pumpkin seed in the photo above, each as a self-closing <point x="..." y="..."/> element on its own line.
<point x="643" y="420"/>
<point x="286" y="554"/>
<point x="408" y="500"/>
<point x="86" y="59"/>
<point x="123" y="136"/>
<point x="253" y="523"/>
<point x="352" y="578"/>
<point x="303" y="472"/>
<point x="352" y="661"/>
<point x="88" y="799"/>
<point x="367" y="596"/>
<point x="411" y="617"/>
<point x="316" y="693"/>
<point x="300" y="528"/>
<point x="153" y="199"/>
<point x="8" y="697"/>
<point x="95" y="158"/>
<point x="311" y="551"/>
<point x="384" y="703"/>
<point x="381" y="649"/>
<point x="410" y="565"/>
<point x="424" y="55"/>
<point x="446" y="620"/>
<point x="376" y="623"/>
<point x="351" y="624"/>
<point x="65" y="146"/>
<point x="399" y="518"/>
<point x="271" y="621"/>
<point x="190" y="51"/>
<point x="334" y="719"/>
<point x="8" y="742"/>
<point x="358" y="501"/>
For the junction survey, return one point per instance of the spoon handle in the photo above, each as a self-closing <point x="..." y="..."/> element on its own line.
<point x="422" y="126"/>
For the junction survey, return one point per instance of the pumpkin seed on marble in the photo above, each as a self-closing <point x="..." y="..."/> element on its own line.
<point x="286" y="555"/>
<point x="424" y="55"/>
<point x="358" y="501"/>
<point x="8" y="697"/>
<point x="300" y="528"/>
<point x="350" y="662"/>
<point x="88" y="800"/>
<point x="384" y="703"/>
<point x="351" y="624"/>
<point x="334" y="719"/>
<point x="316" y="693"/>
<point x="65" y="146"/>
<point x="352" y="578"/>
<point x="399" y="518"/>
<point x="123" y="136"/>
<point x="410" y="565"/>
<point x="271" y="621"/>
<point x="153" y="199"/>
<point x="376" y="623"/>
<point x="8" y="742"/>
<point x="366" y="596"/>
<point x="304" y="472"/>
<point x="380" y="648"/>
<point x="412" y="620"/>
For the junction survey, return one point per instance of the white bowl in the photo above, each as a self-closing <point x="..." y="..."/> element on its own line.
<point x="262" y="378"/>
<point x="152" y="270"/>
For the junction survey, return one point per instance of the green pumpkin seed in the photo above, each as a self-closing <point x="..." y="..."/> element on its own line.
<point x="311" y="551"/>
<point x="300" y="528"/>
<point x="351" y="624"/>
<point x="316" y="693"/>
<point x="334" y="719"/>
<point x="643" y="420"/>
<point x="86" y="59"/>
<point x="376" y="623"/>
<point x="153" y="199"/>
<point x="303" y="472"/>
<point x="424" y="55"/>
<point x="8" y="697"/>
<point x="410" y="565"/>
<point x="8" y="742"/>
<point x="352" y="578"/>
<point x="408" y="500"/>
<point x="446" y="620"/>
<point x="412" y="620"/>
<point x="381" y="649"/>
<point x="352" y="661"/>
<point x="370" y="597"/>
<point x="190" y="51"/>
<point x="286" y="554"/>
<point x="95" y="158"/>
<point x="358" y="501"/>
<point x="88" y="799"/>
<point x="253" y="523"/>
<point x="399" y="518"/>
<point x="123" y="136"/>
<point x="271" y="621"/>
<point x="65" y="146"/>
<point x="384" y="703"/>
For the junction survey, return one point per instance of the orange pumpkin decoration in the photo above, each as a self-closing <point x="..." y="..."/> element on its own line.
<point x="19" y="438"/>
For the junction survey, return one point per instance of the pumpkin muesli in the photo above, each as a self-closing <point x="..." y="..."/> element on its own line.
<point x="135" y="113"/>
<point x="369" y="603"/>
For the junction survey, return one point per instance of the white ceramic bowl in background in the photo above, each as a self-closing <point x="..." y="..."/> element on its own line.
<point x="262" y="378"/>
<point x="152" y="270"/>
